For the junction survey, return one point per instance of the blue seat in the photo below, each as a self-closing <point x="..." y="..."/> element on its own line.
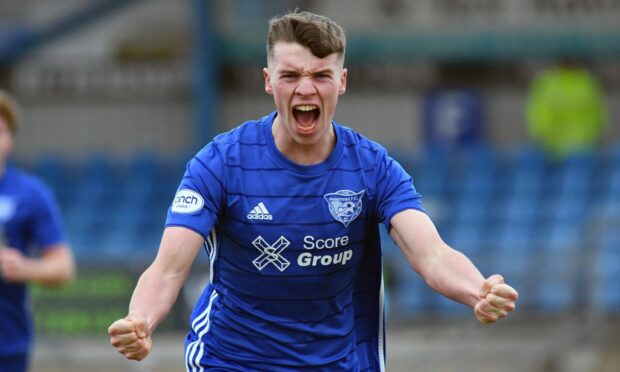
<point x="97" y="168"/>
<point x="411" y="295"/>
<point x="610" y="181"/>
<point x="609" y="210"/>
<point x="561" y="239"/>
<point x="466" y="238"/>
<point x="56" y="173"/>
<point x="517" y="210"/>
<point x="516" y="239"/>
<point x="477" y="183"/>
<point x="431" y="172"/>
<point x="405" y="157"/>
<point x="477" y="156"/>
<point x="561" y="245"/>
<point x="526" y="170"/>
<point x="80" y="219"/>
<point x="526" y="183"/>
<point x="52" y="169"/>
<point x="472" y="211"/>
<point x="84" y="246"/>
<point x="528" y="157"/>
<point x="567" y="181"/>
<point x="607" y="284"/>
<point x="569" y="211"/>
<point x="117" y="246"/>
<point x="556" y="296"/>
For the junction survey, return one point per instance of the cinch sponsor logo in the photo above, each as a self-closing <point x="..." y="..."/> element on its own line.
<point x="187" y="201"/>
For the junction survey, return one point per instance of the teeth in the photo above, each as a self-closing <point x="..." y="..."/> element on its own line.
<point x="306" y="107"/>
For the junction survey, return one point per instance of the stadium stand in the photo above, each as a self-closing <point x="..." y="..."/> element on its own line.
<point x="515" y="212"/>
<point x="509" y="211"/>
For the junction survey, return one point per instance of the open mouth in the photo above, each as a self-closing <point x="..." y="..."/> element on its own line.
<point x="306" y="117"/>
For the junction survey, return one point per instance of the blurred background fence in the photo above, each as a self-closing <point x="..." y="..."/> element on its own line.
<point x="118" y="95"/>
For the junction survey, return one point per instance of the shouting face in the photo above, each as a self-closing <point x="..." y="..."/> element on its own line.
<point x="305" y="89"/>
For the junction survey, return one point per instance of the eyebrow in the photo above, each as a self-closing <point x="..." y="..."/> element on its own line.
<point x="289" y="70"/>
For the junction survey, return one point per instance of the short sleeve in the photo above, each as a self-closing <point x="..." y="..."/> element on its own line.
<point x="395" y="190"/>
<point x="47" y="220"/>
<point x="198" y="200"/>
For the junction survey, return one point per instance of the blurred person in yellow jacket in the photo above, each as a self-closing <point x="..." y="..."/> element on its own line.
<point x="566" y="110"/>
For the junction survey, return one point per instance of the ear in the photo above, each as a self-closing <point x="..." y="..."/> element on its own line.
<point x="343" y="82"/>
<point x="267" y="78"/>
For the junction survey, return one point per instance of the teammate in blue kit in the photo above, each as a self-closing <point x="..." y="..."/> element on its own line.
<point x="287" y="208"/>
<point x="29" y="218"/>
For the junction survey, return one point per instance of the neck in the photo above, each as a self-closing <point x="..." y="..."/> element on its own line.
<point x="304" y="154"/>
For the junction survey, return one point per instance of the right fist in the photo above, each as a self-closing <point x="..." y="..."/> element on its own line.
<point x="131" y="337"/>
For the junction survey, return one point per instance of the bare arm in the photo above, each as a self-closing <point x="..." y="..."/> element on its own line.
<point x="156" y="292"/>
<point x="159" y="285"/>
<point x="55" y="267"/>
<point x="448" y="271"/>
<point x="444" y="269"/>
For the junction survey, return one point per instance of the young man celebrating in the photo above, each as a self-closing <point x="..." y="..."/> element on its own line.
<point x="29" y="217"/>
<point x="288" y="208"/>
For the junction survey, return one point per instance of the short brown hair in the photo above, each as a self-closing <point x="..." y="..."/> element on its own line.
<point x="318" y="33"/>
<point x="9" y="110"/>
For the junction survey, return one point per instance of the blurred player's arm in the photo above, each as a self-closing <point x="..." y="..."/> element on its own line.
<point x="156" y="292"/>
<point x="448" y="271"/>
<point x="54" y="268"/>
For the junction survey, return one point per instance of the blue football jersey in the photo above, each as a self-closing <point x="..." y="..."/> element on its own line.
<point x="29" y="219"/>
<point x="296" y="279"/>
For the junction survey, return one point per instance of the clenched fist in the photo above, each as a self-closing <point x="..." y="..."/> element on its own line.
<point x="131" y="337"/>
<point x="497" y="299"/>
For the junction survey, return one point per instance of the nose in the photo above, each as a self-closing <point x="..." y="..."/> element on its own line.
<point x="305" y="87"/>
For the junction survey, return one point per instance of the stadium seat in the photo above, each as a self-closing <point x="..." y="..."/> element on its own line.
<point x="516" y="209"/>
<point x="56" y="173"/>
<point x="528" y="157"/>
<point x="471" y="211"/>
<point x="556" y="295"/>
<point x="571" y="211"/>
<point x="528" y="169"/>
<point x="561" y="239"/>
<point x="607" y="284"/>
<point x="574" y="175"/>
<point x="431" y="172"/>
<point x="610" y="182"/>
<point x="466" y="238"/>
<point x="411" y="295"/>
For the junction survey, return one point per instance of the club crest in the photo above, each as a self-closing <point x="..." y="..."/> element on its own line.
<point x="344" y="205"/>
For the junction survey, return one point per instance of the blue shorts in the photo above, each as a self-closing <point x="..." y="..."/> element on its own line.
<point x="14" y="363"/>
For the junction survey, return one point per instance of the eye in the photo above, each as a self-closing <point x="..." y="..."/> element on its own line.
<point x="288" y="76"/>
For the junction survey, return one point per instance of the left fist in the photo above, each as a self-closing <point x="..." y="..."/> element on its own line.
<point x="497" y="299"/>
<point x="12" y="265"/>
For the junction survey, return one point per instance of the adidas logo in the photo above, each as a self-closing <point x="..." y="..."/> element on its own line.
<point x="260" y="212"/>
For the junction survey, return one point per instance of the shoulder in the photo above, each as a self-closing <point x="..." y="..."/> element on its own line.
<point x="27" y="181"/>
<point x="367" y="148"/>
<point x="31" y="188"/>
